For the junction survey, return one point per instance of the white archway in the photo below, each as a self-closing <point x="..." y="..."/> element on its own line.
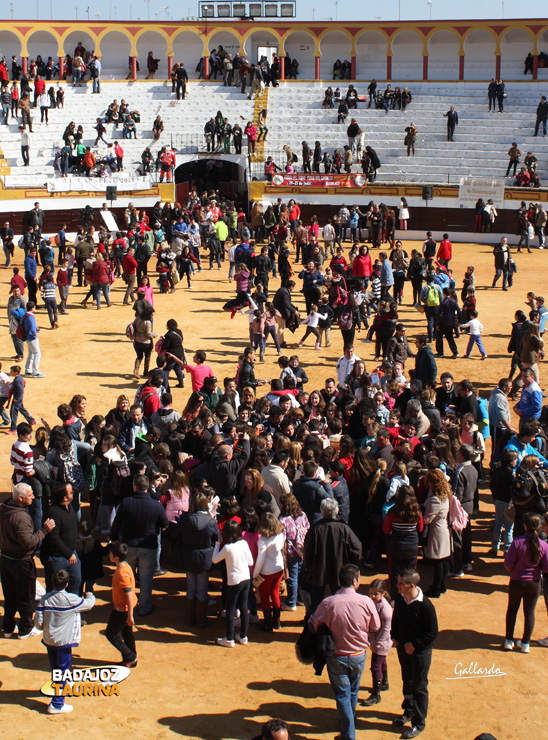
<point x="115" y="51"/>
<point x="543" y="46"/>
<point x="371" y="56"/>
<point x="188" y="48"/>
<point x="261" y="37"/>
<point x="42" y="43"/>
<point x="10" y="45"/>
<point x="300" y="46"/>
<point x="479" y="62"/>
<point x="407" y="56"/>
<point x="156" y="43"/>
<point x="515" y="45"/>
<point x="443" y="56"/>
<point x="334" y="45"/>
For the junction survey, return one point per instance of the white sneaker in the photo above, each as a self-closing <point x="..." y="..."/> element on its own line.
<point x="241" y="640"/>
<point x="543" y="643"/>
<point x="523" y="646"/>
<point x="288" y="608"/>
<point x="456" y="575"/>
<point x="33" y="633"/>
<point x="508" y="644"/>
<point x="225" y="642"/>
<point x="65" y="709"/>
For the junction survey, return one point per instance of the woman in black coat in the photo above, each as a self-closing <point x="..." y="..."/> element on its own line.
<point x="195" y="535"/>
<point x="173" y="343"/>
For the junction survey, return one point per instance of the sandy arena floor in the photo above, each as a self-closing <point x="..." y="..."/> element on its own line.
<point x="184" y="684"/>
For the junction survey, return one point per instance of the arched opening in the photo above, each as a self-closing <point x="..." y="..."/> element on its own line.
<point x="407" y="56"/>
<point x="229" y="41"/>
<point x="334" y="45"/>
<point x="226" y="174"/>
<point x="543" y="48"/>
<point x="42" y="43"/>
<point x="443" y="56"/>
<point x="115" y="51"/>
<point x="514" y="45"/>
<point x="156" y="43"/>
<point x="260" y="41"/>
<point x="10" y="45"/>
<point x="73" y="39"/>
<point x="371" y="56"/>
<point x="188" y="48"/>
<point x="300" y="46"/>
<point x="479" y="63"/>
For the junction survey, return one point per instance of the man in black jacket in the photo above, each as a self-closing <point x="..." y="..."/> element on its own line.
<point x="414" y="630"/>
<point x="138" y="521"/>
<point x="225" y="466"/>
<point x="262" y="266"/>
<point x="426" y="368"/>
<point x="59" y="548"/>
<point x="448" y="316"/>
<point x="181" y="77"/>
<point x="246" y="376"/>
<point x="542" y="115"/>
<point x="447" y="397"/>
<point x="282" y="304"/>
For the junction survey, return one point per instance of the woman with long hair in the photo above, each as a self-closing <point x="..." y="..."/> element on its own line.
<point x="438" y="540"/>
<point x="234" y="550"/>
<point x="296" y="526"/>
<point x="443" y="450"/>
<point x="252" y="487"/>
<point x="63" y="457"/>
<point x="120" y="413"/>
<point x="526" y="559"/>
<point x="403" y="523"/>
<point x="268" y="571"/>
<point x="193" y="406"/>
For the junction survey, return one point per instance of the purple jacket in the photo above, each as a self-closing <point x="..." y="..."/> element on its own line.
<point x="380" y="640"/>
<point x="518" y="562"/>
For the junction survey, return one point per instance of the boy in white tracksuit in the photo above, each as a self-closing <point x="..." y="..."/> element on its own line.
<point x="58" y="614"/>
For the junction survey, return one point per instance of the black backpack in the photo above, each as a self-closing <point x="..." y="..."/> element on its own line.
<point x="530" y="485"/>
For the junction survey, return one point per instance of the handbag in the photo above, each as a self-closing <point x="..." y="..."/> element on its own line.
<point x="510" y="513"/>
<point x="175" y="277"/>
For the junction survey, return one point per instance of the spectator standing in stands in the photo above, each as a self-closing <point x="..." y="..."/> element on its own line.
<point x="542" y="116"/>
<point x="452" y="121"/>
<point x="514" y="154"/>
<point x="25" y="145"/>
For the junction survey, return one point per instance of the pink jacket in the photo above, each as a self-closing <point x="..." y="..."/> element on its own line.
<point x="381" y="641"/>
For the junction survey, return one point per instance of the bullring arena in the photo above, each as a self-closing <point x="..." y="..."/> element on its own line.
<point x="184" y="684"/>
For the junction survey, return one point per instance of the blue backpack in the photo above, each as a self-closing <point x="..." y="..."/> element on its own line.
<point x="483" y="418"/>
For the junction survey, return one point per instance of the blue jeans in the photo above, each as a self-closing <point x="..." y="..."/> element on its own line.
<point x="271" y="331"/>
<point x="105" y="288"/>
<point x="431" y="312"/>
<point x="294" y="567"/>
<point x="475" y="339"/>
<point x="143" y="558"/>
<point x="17" y="408"/>
<point x="231" y="270"/>
<point x="501" y="522"/>
<point x="345" y="672"/>
<point x="59" y="658"/>
<point x="506" y="278"/>
<point x="197" y="585"/>
<point x="55" y="563"/>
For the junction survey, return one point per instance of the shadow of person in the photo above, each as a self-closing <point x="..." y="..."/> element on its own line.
<point x="467" y="640"/>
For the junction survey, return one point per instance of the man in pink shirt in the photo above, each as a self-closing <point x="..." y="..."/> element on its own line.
<point x="198" y="372"/>
<point x="350" y="618"/>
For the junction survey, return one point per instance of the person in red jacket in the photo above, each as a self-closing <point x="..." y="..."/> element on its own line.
<point x="100" y="278"/>
<point x="445" y="251"/>
<point x="362" y="266"/>
<point x="167" y="164"/>
<point x="63" y="285"/>
<point x="129" y="267"/>
<point x="339" y="263"/>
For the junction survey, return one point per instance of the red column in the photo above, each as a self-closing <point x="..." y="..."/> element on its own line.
<point x="316" y="68"/>
<point x="497" y="67"/>
<point x="535" y="66"/>
<point x="389" y="68"/>
<point x="169" y="66"/>
<point x="461" y="67"/>
<point x="425" y="67"/>
<point x="282" y="67"/>
<point x="206" y="68"/>
<point x="133" y="68"/>
<point x="61" y="67"/>
<point x="353" y="67"/>
<point x="24" y="63"/>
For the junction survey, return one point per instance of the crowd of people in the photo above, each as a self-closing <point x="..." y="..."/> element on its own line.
<point x="297" y="485"/>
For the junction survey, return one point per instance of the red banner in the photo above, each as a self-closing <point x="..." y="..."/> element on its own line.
<point x="319" y="181"/>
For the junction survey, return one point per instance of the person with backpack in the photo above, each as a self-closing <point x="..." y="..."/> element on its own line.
<point x="431" y="296"/>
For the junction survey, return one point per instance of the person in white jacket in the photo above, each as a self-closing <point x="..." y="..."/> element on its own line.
<point x="58" y="615"/>
<point x="236" y="553"/>
<point x="269" y="569"/>
<point x="476" y="329"/>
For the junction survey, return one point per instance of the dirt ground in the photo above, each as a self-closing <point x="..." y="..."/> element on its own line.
<point x="184" y="684"/>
